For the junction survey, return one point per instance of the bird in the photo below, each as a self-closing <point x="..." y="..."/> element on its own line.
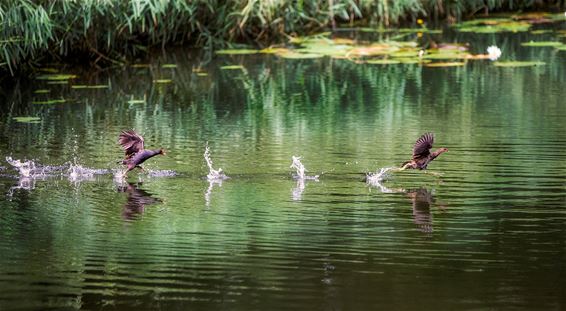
<point x="133" y="145"/>
<point x="421" y="153"/>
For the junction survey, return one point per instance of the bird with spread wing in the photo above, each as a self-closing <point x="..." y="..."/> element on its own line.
<point x="133" y="145"/>
<point x="421" y="153"/>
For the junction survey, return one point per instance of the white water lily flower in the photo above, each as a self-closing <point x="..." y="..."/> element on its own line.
<point x="494" y="52"/>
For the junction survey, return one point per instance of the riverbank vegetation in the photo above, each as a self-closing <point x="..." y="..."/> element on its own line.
<point x="109" y="31"/>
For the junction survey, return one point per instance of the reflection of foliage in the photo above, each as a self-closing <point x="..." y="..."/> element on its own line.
<point x="269" y="100"/>
<point x="108" y="30"/>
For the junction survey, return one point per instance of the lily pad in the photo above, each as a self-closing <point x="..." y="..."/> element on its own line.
<point x="519" y="63"/>
<point x="232" y="67"/>
<point x="50" y="70"/>
<point x="50" y="102"/>
<point x="81" y="86"/>
<point x="56" y="77"/>
<point x="169" y="66"/>
<point x="136" y="101"/>
<point x="493" y="25"/>
<point x="541" y="43"/>
<point x="383" y="62"/>
<point x="42" y="91"/>
<point x="273" y="50"/>
<point x="295" y="55"/>
<point x="27" y="119"/>
<point x="445" y="54"/>
<point x="446" y="64"/>
<point x="237" y="52"/>
<point x="202" y="74"/>
<point x="540" y="31"/>
<point x="162" y="81"/>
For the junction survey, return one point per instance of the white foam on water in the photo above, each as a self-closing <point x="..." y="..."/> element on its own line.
<point x="300" y="176"/>
<point x="212" y="173"/>
<point x="26" y="168"/>
<point x="375" y="179"/>
<point x="161" y="173"/>
<point x="300" y="170"/>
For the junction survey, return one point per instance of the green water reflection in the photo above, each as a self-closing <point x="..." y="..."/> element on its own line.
<point x="488" y="234"/>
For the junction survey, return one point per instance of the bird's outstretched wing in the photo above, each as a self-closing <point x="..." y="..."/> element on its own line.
<point x="422" y="146"/>
<point x="131" y="141"/>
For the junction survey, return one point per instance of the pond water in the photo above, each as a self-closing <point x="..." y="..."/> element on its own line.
<point x="488" y="233"/>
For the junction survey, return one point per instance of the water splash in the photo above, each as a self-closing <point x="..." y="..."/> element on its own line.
<point x="78" y="172"/>
<point x="375" y="179"/>
<point x="300" y="170"/>
<point x="212" y="173"/>
<point x="26" y="169"/>
<point x="300" y="176"/>
<point x="214" y="177"/>
<point x="161" y="173"/>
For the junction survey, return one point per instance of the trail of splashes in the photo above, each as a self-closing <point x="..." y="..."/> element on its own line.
<point x="300" y="169"/>
<point x="375" y="179"/>
<point x="212" y="173"/>
<point x="300" y="176"/>
<point x="26" y="169"/>
<point x="214" y="177"/>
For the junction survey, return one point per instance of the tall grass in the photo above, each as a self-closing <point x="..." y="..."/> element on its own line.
<point x="111" y="29"/>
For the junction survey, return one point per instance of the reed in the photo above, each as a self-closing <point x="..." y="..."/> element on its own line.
<point x="110" y="30"/>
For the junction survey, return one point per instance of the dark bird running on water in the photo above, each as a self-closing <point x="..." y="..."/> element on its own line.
<point x="132" y="143"/>
<point x="421" y="153"/>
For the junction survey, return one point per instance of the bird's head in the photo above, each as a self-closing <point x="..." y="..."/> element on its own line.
<point x="162" y="151"/>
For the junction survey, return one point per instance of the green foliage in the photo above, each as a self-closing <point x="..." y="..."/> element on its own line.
<point x="108" y="30"/>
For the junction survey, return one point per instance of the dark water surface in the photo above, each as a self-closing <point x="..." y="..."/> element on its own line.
<point x="490" y="234"/>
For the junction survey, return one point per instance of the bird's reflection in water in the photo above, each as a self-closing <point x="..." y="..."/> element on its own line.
<point x="422" y="200"/>
<point x="137" y="199"/>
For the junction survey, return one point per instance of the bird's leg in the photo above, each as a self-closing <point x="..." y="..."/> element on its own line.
<point x="125" y="174"/>
<point x="141" y="168"/>
<point x="404" y="167"/>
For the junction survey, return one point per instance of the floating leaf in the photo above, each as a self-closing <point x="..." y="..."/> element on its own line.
<point x="42" y="91"/>
<point x="413" y="60"/>
<point x="295" y="55"/>
<point x="136" y="101"/>
<point x="518" y="63"/>
<point x="140" y="65"/>
<point x="493" y="25"/>
<point x="169" y="66"/>
<point x="383" y="62"/>
<point x="162" y="81"/>
<point x="232" y="67"/>
<point x="541" y="31"/>
<point x="273" y="50"/>
<point x="236" y="52"/>
<point x="27" y="119"/>
<point x="561" y="47"/>
<point x="446" y="54"/>
<point x="446" y="64"/>
<point x="81" y="86"/>
<point x="541" y="43"/>
<point x="202" y="74"/>
<point x="50" y="102"/>
<point x="58" y="82"/>
<point x="50" y="70"/>
<point x="56" y="77"/>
